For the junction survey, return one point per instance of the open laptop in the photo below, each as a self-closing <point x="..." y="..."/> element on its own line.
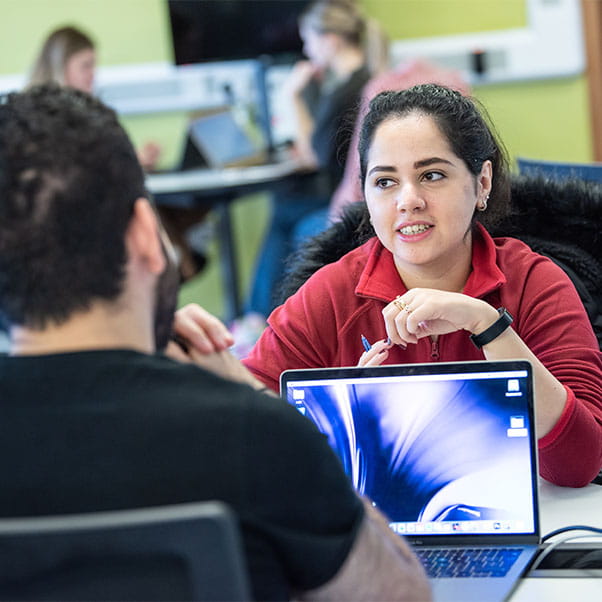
<point x="222" y="142"/>
<point x="448" y="452"/>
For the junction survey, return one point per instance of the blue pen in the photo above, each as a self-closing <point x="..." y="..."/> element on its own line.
<point x="365" y="343"/>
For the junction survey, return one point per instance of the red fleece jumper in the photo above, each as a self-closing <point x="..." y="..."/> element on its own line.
<point x="320" y="326"/>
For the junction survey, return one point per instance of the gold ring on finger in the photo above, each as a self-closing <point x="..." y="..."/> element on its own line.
<point x="399" y="304"/>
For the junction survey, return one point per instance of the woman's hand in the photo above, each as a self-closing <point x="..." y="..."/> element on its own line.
<point x="299" y="76"/>
<point x="378" y="353"/>
<point x="148" y="155"/>
<point x="423" y="312"/>
<point x="298" y="79"/>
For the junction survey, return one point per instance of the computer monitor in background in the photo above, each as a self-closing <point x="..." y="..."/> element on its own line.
<point x="223" y="30"/>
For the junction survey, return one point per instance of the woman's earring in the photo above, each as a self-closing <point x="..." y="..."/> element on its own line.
<point x="483" y="205"/>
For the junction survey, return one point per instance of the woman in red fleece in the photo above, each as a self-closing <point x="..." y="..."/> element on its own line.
<point x="433" y="285"/>
<point x="433" y="276"/>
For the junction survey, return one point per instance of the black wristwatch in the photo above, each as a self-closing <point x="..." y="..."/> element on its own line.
<point x="495" y="330"/>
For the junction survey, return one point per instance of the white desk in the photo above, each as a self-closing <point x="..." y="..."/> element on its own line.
<point x="216" y="180"/>
<point x="564" y="506"/>
<point x="219" y="188"/>
<point x="561" y="507"/>
<point x="558" y="590"/>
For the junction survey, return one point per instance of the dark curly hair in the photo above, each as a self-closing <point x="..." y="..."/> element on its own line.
<point x="69" y="177"/>
<point x="464" y="124"/>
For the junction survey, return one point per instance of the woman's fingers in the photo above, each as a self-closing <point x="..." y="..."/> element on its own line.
<point x="377" y="354"/>
<point x="377" y="359"/>
<point x="396" y="315"/>
<point x="422" y="312"/>
<point x="401" y="325"/>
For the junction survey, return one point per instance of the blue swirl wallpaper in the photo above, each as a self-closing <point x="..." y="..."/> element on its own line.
<point x="428" y="452"/>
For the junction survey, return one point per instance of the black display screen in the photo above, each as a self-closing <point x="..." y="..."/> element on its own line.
<point x="217" y="30"/>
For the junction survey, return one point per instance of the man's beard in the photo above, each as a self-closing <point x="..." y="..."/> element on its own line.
<point x="166" y="300"/>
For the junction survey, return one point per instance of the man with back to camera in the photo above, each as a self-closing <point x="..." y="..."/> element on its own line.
<point x="93" y="419"/>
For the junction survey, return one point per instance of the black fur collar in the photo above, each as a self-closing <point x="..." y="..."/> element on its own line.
<point x="563" y="216"/>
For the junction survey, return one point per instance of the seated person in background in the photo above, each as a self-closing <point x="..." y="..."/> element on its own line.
<point x="341" y="48"/>
<point x="68" y="58"/>
<point x="404" y="76"/>
<point x="430" y="275"/>
<point x="93" y="418"/>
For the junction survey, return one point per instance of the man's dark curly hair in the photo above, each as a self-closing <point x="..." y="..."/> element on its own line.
<point x="69" y="177"/>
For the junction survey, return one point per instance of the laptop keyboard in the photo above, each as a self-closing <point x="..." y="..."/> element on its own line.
<point x="469" y="562"/>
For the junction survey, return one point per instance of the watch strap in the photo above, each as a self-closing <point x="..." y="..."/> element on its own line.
<point x="495" y="330"/>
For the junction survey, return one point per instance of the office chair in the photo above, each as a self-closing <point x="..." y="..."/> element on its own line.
<point x="560" y="171"/>
<point x="180" y="552"/>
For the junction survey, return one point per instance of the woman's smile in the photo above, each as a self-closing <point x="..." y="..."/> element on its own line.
<point x="414" y="231"/>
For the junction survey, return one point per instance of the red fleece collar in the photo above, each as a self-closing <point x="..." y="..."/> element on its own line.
<point x="380" y="280"/>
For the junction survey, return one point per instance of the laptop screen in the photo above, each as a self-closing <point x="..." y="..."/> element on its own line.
<point x="222" y="141"/>
<point x="439" y="448"/>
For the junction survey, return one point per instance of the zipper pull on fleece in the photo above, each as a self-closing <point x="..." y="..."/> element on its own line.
<point x="434" y="349"/>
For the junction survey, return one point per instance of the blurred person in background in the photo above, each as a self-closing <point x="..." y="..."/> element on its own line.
<point x="343" y="49"/>
<point x="68" y="58"/>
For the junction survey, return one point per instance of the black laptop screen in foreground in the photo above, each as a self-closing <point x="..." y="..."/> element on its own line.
<point x="440" y="448"/>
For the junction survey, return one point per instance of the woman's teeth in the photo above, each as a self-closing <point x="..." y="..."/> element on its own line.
<point x="414" y="229"/>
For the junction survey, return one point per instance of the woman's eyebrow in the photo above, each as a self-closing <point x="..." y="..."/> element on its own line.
<point x="387" y="168"/>
<point x="430" y="161"/>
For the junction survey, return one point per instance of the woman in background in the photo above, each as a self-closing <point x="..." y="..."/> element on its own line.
<point x="68" y="58"/>
<point x="343" y="49"/>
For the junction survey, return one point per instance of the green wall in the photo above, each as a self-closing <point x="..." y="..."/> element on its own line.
<point x="546" y="119"/>
<point x="130" y="31"/>
<point x="126" y="31"/>
<point x="404" y="19"/>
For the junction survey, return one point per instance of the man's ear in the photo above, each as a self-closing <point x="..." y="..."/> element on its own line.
<point x="142" y="237"/>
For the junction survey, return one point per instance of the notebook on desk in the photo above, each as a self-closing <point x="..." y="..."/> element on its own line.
<point x="448" y="452"/>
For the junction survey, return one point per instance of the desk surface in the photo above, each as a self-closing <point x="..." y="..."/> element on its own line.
<point x="220" y="179"/>
<point x="558" y="589"/>
<point x="219" y="187"/>
<point x="562" y="507"/>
